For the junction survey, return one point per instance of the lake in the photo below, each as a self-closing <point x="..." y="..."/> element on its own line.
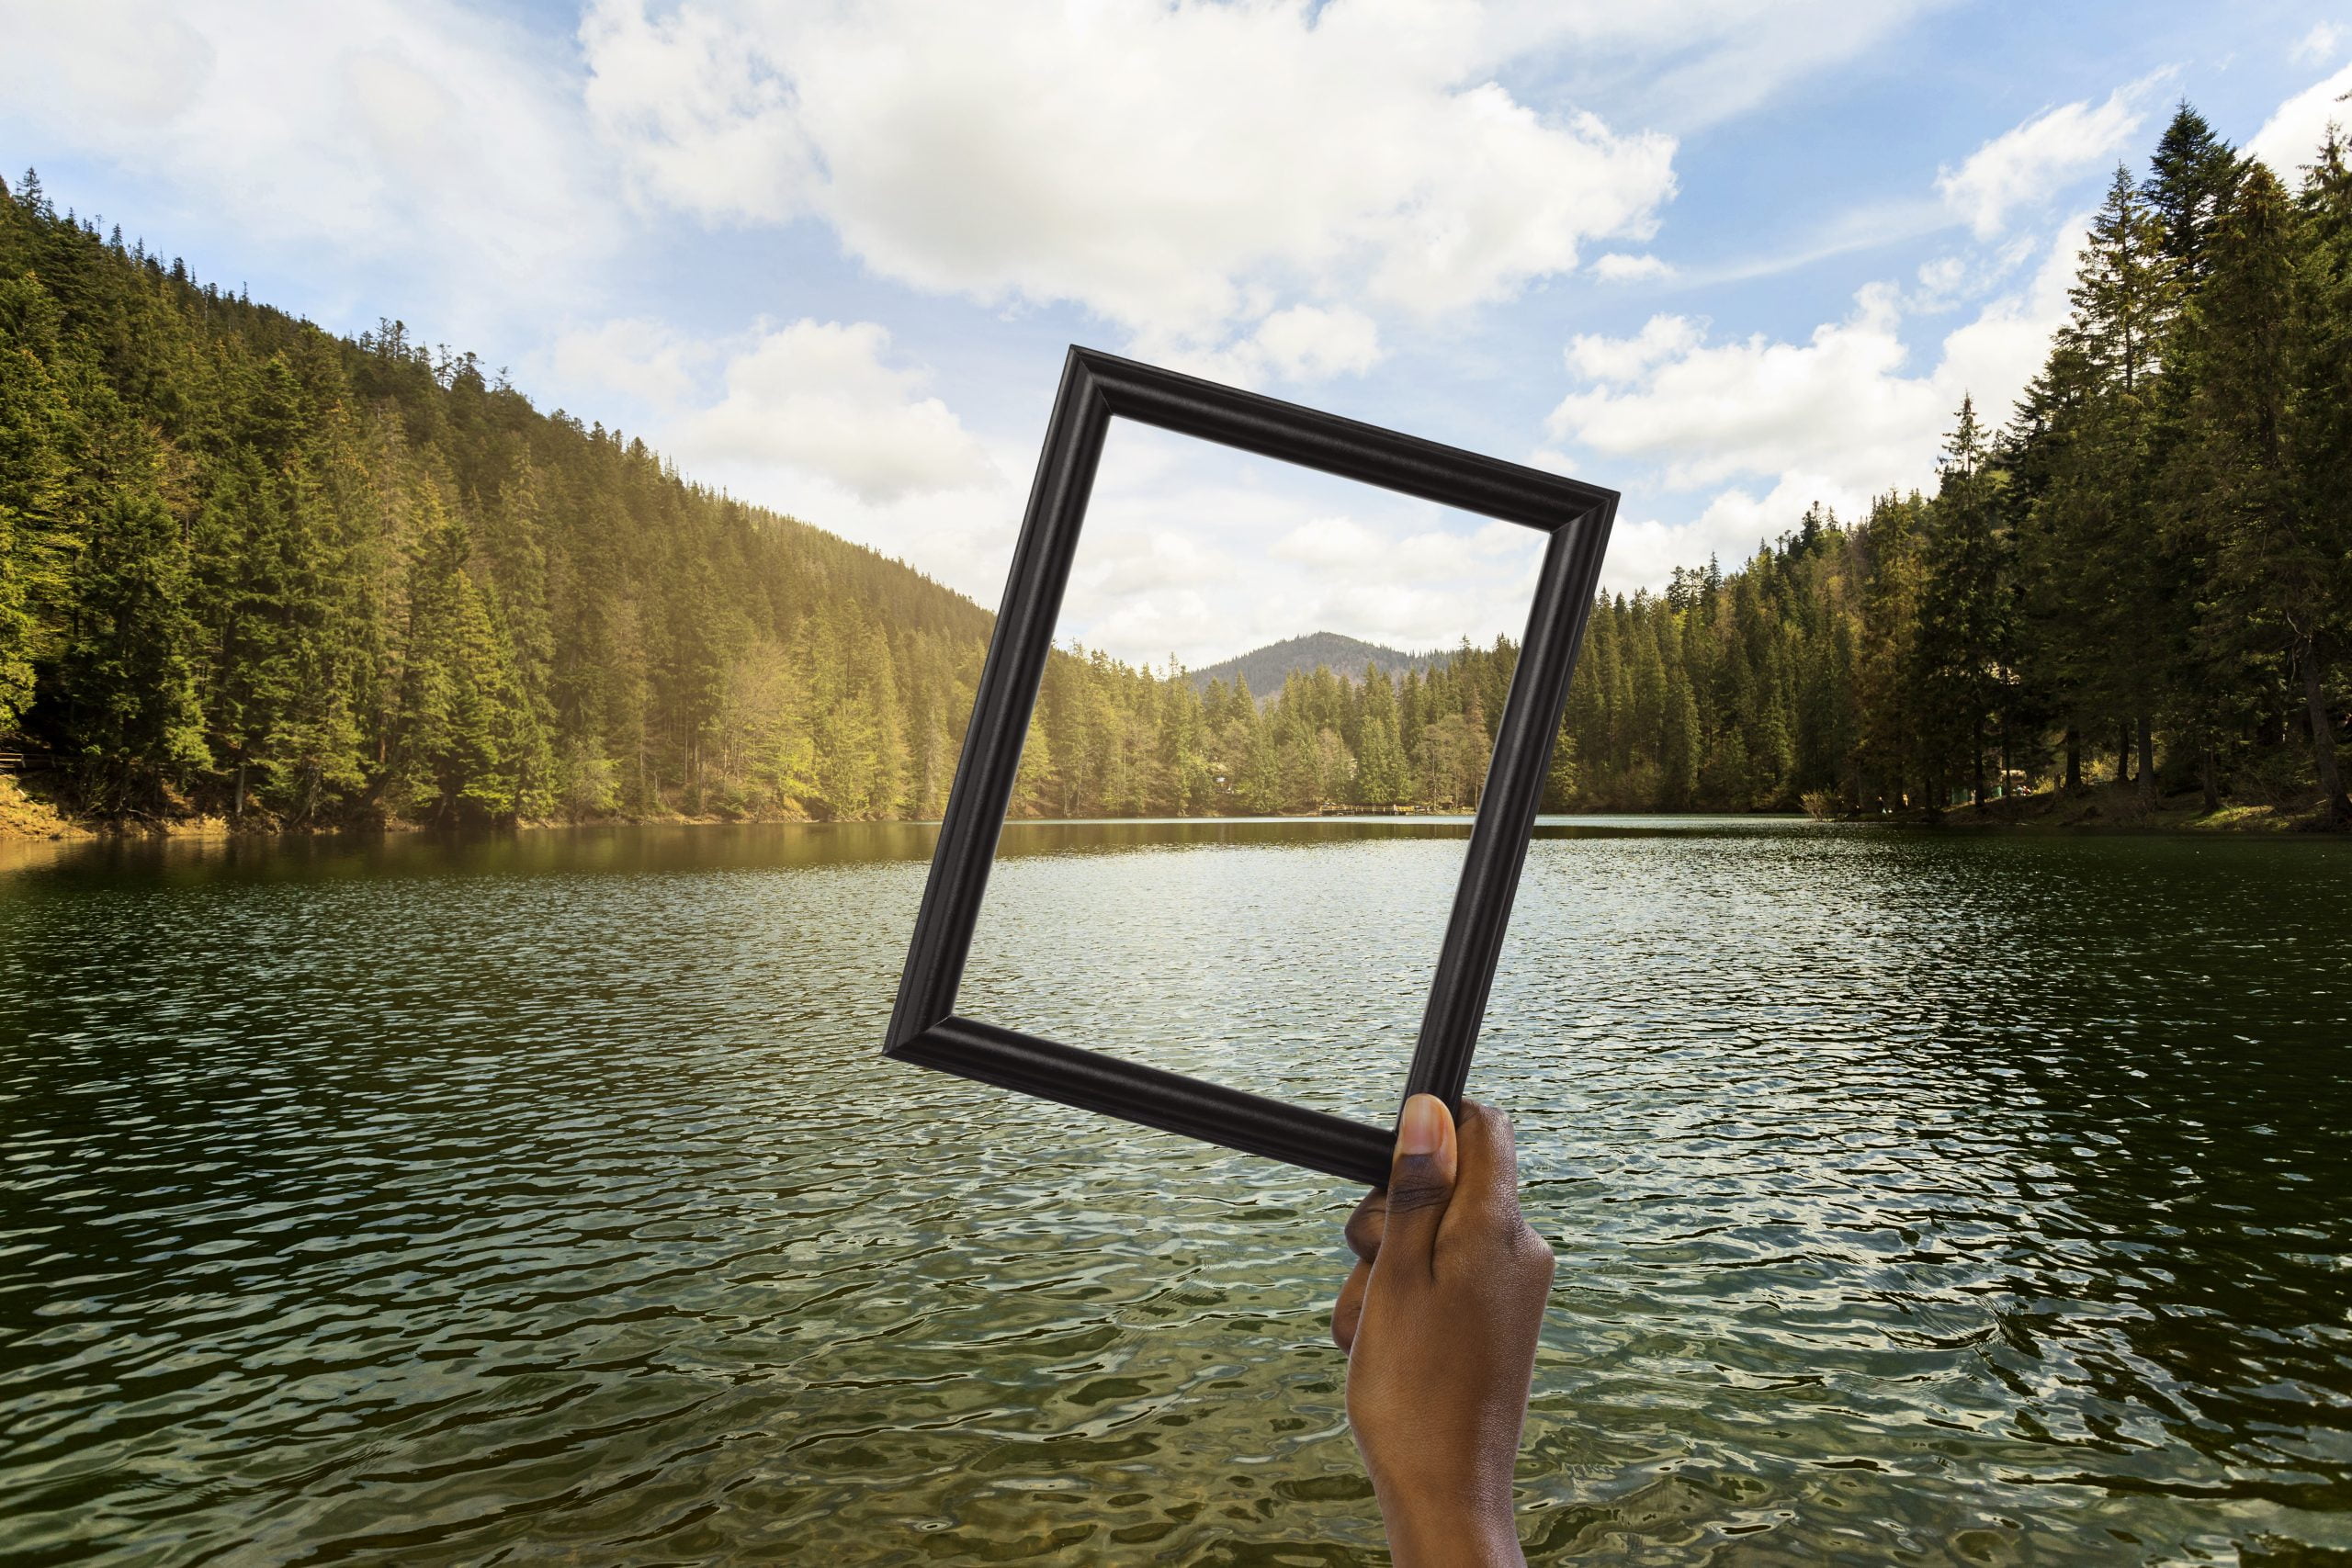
<point x="544" y="1200"/>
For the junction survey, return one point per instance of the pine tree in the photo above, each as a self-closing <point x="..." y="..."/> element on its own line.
<point x="2102" y="501"/>
<point x="1964" y="632"/>
<point x="1888" y="748"/>
<point x="2190" y="182"/>
<point x="1681" y="745"/>
<point x="2310" y="570"/>
<point x="1380" y="773"/>
<point x="1186" y="788"/>
<point x="127" y="672"/>
<point x="1034" y="788"/>
<point x="463" y="741"/>
<point x="35" y="419"/>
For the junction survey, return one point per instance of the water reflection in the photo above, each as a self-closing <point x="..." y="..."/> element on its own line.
<point x="542" y="1199"/>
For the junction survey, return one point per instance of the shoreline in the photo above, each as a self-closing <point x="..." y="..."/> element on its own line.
<point x="2103" y="809"/>
<point x="2112" y="810"/>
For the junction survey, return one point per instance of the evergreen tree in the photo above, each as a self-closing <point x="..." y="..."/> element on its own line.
<point x="461" y="744"/>
<point x="127" y="674"/>
<point x="1962" y="641"/>
<point x="1380" y="773"/>
<point x="34" y="439"/>
<point x="1681" y="745"/>
<point x="2102" y="500"/>
<point x="2311" y="571"/>
<point x="2189" y="184"/>
<point x="1889" y="745"/>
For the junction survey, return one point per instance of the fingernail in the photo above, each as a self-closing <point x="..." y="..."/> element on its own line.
<point x="1422" y="1129"/>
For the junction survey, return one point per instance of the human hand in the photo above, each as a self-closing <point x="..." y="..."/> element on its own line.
<point x="1439" y="1320"/>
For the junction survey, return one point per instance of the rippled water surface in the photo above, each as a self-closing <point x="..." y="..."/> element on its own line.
<point x="542" y="1201"/>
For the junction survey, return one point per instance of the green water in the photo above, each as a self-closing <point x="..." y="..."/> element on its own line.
<point x="543" y="1200"/>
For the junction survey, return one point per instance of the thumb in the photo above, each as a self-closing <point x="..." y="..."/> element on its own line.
<point x="1420" y="1184"/>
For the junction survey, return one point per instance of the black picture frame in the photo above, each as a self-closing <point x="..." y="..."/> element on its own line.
<point x="925" y="1027"/>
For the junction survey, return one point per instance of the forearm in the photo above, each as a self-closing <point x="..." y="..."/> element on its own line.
<point x="1441" y="1343"/>
<point x="1422" y="1536"/>
<point x="1445" y="1491"/>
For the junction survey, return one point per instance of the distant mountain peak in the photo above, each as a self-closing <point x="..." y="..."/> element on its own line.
<point x="1266" y="668"/>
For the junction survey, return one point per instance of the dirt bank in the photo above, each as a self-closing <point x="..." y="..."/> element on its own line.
<point x="2116" y="808"/>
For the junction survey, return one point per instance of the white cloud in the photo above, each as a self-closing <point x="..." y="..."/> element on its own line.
<point x="106" y="74"/>
<point x="1618" y="266"/>
<point x="2318" y="45"/>
<point x="2289" y="139"/>
<point x="640" y="358"/>
<point x="1327" y="542"/>
<point x="1942" y="280"/>
<point x="1993" y="356"/>
<point x="1738" y="519"/>
<point x="1347" y="548"/>
<point x="1183" y="624"/>
<point x="1837" y="418"/>
<point x="1186" y="169"/>
<point x="1308" y="343"/>
<point x="1644" y="553"/>
<point x="1599" y="359"/>
<point x="1304" y="343"/>
<point x="1710" y="411"/>
<point x="2026" y="166"/>
<point x="1865" y="227"/>
<point x="1947" y="282"/>
<point x="1181" y="169"/>
<point x="708" y="125"/>
<point x="817" y="399"/>
<point x="1152" y="560"/>
<point x="423" y="138"/>
<point x="1685" y="64"/>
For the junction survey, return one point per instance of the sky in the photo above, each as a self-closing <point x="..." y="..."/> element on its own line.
<point x="1728" y="258"/>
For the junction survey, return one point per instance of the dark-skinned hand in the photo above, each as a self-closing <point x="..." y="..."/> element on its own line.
<point x="1439" y="1320"/>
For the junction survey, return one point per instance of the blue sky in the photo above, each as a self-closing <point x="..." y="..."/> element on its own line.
<point x="1727" y="258"/>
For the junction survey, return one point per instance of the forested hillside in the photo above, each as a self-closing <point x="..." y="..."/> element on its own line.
<point x="1267" y="667"/>
<point x="254" y="571"/>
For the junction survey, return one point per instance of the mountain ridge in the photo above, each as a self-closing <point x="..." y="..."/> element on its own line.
<point x="1266" y="668"/>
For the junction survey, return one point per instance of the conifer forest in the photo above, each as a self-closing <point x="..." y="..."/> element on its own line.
<point x="255" y="571"/>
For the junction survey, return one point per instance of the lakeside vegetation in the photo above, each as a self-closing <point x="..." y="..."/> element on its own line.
<point x="253" y="571"/>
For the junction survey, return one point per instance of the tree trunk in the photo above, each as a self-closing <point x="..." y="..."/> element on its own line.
<point x="2147" y="761"/>
<point x="2209" y="776"/>
<point x="2074" y="758"/>
<point x="2334" y="808"/>
<point x="2124" y="753"/>
<point x="1976" y="759"/>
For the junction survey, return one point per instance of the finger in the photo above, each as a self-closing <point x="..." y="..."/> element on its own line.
<point x="1420" y="1183"/>
<point x="1348" y="1311"/>
<point x="1366" y="1223"/>
<point x="1486" y="1184"/>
